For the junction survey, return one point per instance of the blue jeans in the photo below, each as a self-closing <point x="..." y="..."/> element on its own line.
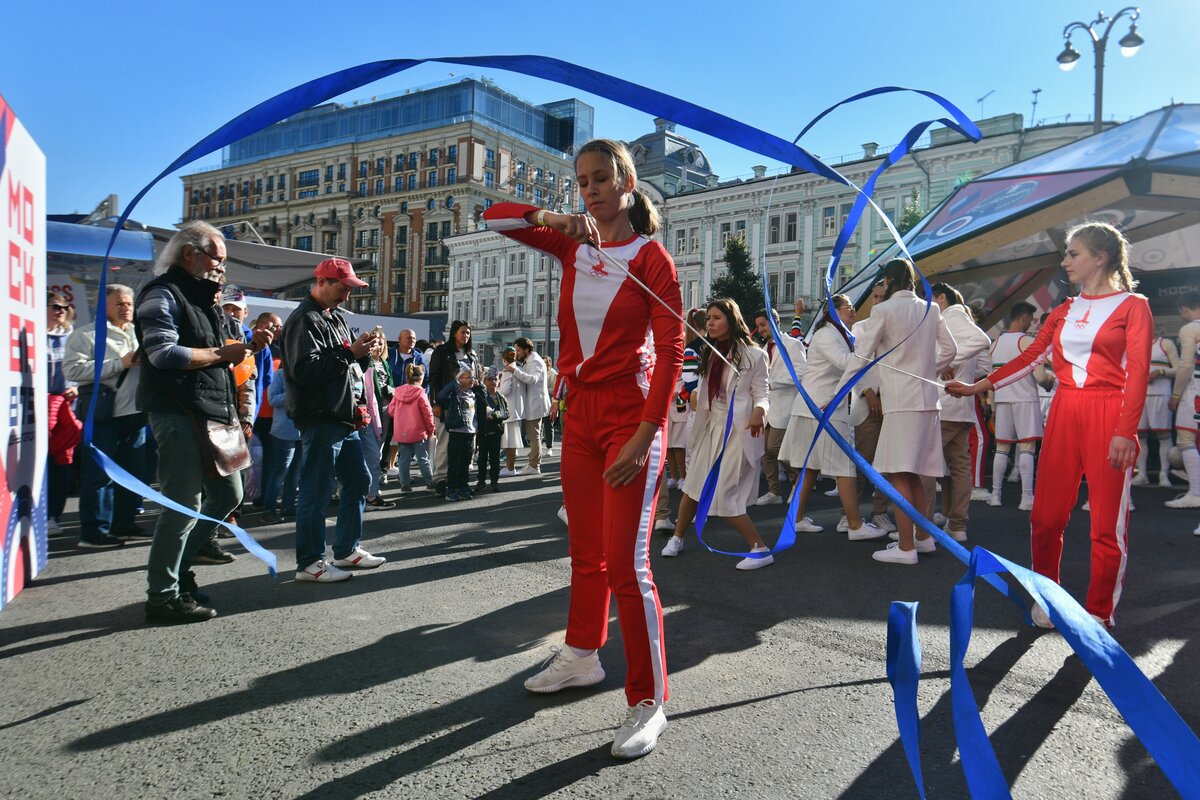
<point x="331" y="451"/>
<point x="104" y="507"/>
<point x="181" y="477"/>
<point x="281" y="476"/>
<point x="419" y="451"/>
<point x="370" y="447"/>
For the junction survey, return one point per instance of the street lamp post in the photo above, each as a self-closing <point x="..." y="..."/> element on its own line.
<point x="1129" y="43"/>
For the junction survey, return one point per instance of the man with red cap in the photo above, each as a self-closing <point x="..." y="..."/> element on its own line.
<point x="324" y="370"/>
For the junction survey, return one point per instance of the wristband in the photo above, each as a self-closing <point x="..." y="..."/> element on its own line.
<point x="541" y="218"/>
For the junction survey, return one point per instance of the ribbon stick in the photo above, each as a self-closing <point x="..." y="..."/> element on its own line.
<point x="904" y="673"/>
<point x="885" y="365"/>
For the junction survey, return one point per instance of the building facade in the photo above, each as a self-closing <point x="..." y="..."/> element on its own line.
<point x="385" y="183"/>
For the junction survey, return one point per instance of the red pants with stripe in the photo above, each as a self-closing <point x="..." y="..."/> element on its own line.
<point x="609" y="532"/>
<point x="1076" y="442"/>
<point x="977" y="444"/>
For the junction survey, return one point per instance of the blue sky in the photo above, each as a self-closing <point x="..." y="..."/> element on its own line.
<point x="114" y="93"/>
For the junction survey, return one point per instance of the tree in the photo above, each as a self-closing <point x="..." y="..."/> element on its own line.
<point x="740" y="281"/>
<point x="912" y="213"/>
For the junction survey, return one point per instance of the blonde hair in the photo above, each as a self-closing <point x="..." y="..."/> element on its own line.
<point x="414" y="373"/>
<point x="1100" y="237"/>
<point x="643" y="216"/>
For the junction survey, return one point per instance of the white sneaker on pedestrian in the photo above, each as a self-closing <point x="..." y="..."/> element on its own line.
<point x="664" y="524"/>
<point x="1015" y="475"/>
<point x="1040" y="617"/>
<point x="832" y="492"/>
<point x="926" y="545"/>
<point x="806" y="525"/>
<point x="843" y="525"/>
<point x="638" y="735"/>
<point x="529" y="471"/>
<point x="322" y="572"/>
<point x="750" y="562"/>
<point x="994" y="499"/>
<point x="892" y="554"/>
<point x="894" y="536"/>
<point x="1087" y="505"/>
<point x="980" y="495"/>
<point x="867" y="531"/>
<point x="940" y="519"/>
<point x="565" y="669"/>
<point x="1026" y="503"/>
<point x="562" y="514"/>
<point x="883" y="522"/>
<point x="769" y="499"/>
<point x="1139" y="480"/>
<point x="52" y="527"/>
<point x="359" y="559"/>
<point x="1197" y="531"/>
<point x="1186" y="500"/>
<point x="1164" y="480"/>
<point x="548" y="452"/>
<point x="674" y="547"/>
<point x="958" y="536"/>
<point x="393" y="472"/>
<point x="508" y="473"/>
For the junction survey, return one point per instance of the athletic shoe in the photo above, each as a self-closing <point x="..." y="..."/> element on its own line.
<point x="843" y="525"/>
<point x="562" y="514"/>
<point x="1187" y="500"/>
<point x="179" y="609"/>
<point x="1040" y="617"/>
<point x="1087" y="505"/>
<point x="322" y="572"/>
<point x="359" y="559"/>
<point x="806" y="525"/>
<point x="212" y="553"/>
<point x="377" y="503"/>
<point x="674" y="547"/>
<point x="480" y="488"/>
<point x="1164" y="480"/>
<point x="958" y="536"/>
<point x="892" y="554"/>
<point x="638" y="735"/>
<point x="548" y="452"/>
<point x="994" y="499"/>
<point x="52" y="527"/>
<point x="1026" y="503"/>
<point x="134" y="533"/>
<point x="750" y="562"/>
<point x="927" y="545"/>
<point x="393" y="472"/>
<point x="1197" y="531"/>
<point x="452" y="494"/>
<point x="769" y="499"/>
<point x="940" y="519"/>
<point x="664" y="524"/>
<point x="101" y="542"/>
<point x="505" y="472"/>
<point x="1015" y="475"/>
<point x="405" y="488"/>
<point x="1139" y="480"/>
<point x="565" y="669"/>
<point x="894" y="536"/>
<point x="979" y="494"/>
<point x="865" y="532"/>
<point x="530" y="471"/>
<point x="883" y="522"/>
<point x="832" y="492"/>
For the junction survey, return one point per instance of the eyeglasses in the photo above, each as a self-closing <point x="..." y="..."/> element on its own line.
<point x="206" y="254"/>
<point x="59" y="307"/>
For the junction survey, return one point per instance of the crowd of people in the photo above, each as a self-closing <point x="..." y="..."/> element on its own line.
<point x="300" y="412"/>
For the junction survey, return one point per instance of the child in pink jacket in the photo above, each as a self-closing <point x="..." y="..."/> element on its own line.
<point x="412" y="425"/>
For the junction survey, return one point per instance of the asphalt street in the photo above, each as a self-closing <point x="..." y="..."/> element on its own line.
<point x="405" y="682"/>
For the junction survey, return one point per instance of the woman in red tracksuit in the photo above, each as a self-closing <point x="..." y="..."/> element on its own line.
<point x="1101" y="354"/>
<point x="620" y="352"/>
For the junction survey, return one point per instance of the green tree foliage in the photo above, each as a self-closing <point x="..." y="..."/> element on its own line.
<point x="740" y="280"/>
<point x="912" y="213"/>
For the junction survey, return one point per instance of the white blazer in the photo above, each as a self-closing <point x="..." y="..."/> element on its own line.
<point x="828" y="359"/>
<point x="781" y="390"/>
<point x="753" y="392"/>
<point x="926" y="352"/>
<point x="514" y="395"/>
<point x="971" y="341"/>
<point x="532" y="379"/>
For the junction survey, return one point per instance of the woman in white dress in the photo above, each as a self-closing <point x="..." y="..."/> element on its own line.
<point x="910" y="443"/>
<point x="829" y="355"/>
<point x="737" y="482"/>
<point x="514" y="394"/>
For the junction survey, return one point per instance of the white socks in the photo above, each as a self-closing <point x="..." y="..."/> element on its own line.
<point x="1191" y="463"/>
<point x="1025" y="464"/>
<point x="581" y="653"/>
<point x="999" y="467"/>
<point x="1164" y="453"/>
<point x="1144" y="453"/>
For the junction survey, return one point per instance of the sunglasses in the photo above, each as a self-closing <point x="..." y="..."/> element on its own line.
<point x="206" y="254"/>
<point x="59" y="307"/>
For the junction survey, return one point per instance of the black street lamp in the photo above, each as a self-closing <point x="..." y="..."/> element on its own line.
<point x="1129" y="43"/>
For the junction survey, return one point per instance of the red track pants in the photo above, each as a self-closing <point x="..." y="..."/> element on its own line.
<point x="1075" y="445"/>
<point x="609" y="532"/>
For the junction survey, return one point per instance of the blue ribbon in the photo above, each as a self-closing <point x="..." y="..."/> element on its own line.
<point x="903" y="673"/>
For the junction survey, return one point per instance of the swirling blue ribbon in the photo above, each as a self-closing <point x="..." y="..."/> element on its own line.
<point x="1161" y="730"/>
<point x="903" y="673"/>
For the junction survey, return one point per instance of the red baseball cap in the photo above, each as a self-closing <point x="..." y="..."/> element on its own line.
<point x="338" y="269"/>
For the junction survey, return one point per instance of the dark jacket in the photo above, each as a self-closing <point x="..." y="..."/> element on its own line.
<point x="443" y="367"/>
<point x="397" y="370"/>
<point x="320" y="367"/>
<point x="207" y="392"/>
<point x="495" y="412"/>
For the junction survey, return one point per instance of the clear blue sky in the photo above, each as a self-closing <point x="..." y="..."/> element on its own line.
<point x="114" y="92"/>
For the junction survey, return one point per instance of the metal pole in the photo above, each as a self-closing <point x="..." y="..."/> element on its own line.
<point x="1098" y="110"/>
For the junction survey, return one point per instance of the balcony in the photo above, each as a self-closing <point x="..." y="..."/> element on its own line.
<point x="440" y="260"/>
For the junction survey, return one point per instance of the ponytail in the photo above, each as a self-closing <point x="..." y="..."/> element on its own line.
<point x="643" y="216"/>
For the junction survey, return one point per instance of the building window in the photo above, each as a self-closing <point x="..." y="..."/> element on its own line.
<point x="282" y="182"/>
<point x="680" y="242"/>
<point x="452" y="154"/>
<point x="433" y="178"/>
<point x="773" y="234"/>
<point x="489" y="179"/>
<point x="520" y="169"/>
<point x="537" y="197"/>
<point x="379" y="186"/>
<point x="341" y="187"/>
<point x="331" y="242"/>
<point x="399" y="183"/>
<point x="412" y="182"/>
<point x="373" y="237"/>
<point x="245" y="188"/>
<point x="379" y="162"/>
<point x="789" y="288"/>
<point x="306" y="193"/>
<point x="773" y="285"/>
<point x="401" y="263"/>
<point x="270" y="183"/>
<point x="846" y="212"/>
<point x="329" y="173"/>
<point x="725" y="233"/>
<point x="258" y="186"/>
<point x="828" y="221"/>
<point x="430" y="204"/>
<point x="739" y="229"/>
<point x="303" y="243"/>
<point x="694" y="240"/>
<point x="489" y="157"/>
<point x="520" y="191"/>
<point x="220" y="192"/>
<point x="413" y="160"/>
<point x="451" y="175"/>
<point x="362" y="188"/>
<point x="446" y="229"/>
<point x="433" y="157"/>
<point x="402" y="235"/>
<point x="433" y="231"/>
<point x="341" y="172"/>
<point x="789" y="228"/>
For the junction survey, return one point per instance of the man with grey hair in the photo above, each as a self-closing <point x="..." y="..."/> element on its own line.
<point x="107" y="511"/>
<point x="186" y="384"/>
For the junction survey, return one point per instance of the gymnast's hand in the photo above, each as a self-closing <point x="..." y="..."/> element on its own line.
<point x="632" y="459"/>
<point x="579" y="227"/>
<point x="1122" y="453"/>
<point x="960" y="389"/>
<point x="756" y="422"/>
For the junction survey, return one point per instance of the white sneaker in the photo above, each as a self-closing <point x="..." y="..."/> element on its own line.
<point x="52" y="527"/>
<point x="892" y="554"/>
<point x="1040" y="617"/>
<point x="322" y="572"/>
<point x="664" y="524"/>
<point x="832" y="492"/>
<point x="883" y="522"/>
<point x="564" y="669"/>
<point x="894" y="536"/>
<point x="940" y="519"/>
<point x="958" y="536"/>
<point x="1014" y="476"/>
<point x="927" y="545"/>
<point x="1139" y="480"/>
<point x="393" y="472"/>
<point x="1087" y="505"/>
<point x="674" y="547"/>
<point x="508" y="473"/>
<point x="549" y="452"/>
<point x="769" y="499"/>
<point x="638" y="735"/>
<point x="867" y="531"/>
<point x="994" y="499"/>
<point x="979" y="494"/>
<point x="806" y="525"/>
<point x="359" y="559"/>
<point x="1197" y="531"/>
<point x="749" y="562"/>
<point x="562" y="514"/>
<point x="1026" y="503"/>
<point x="530" y="471"/>
<point x="843" y="525"/>
<point x="1187" y="500"/>
<point x="1164" y="480"/>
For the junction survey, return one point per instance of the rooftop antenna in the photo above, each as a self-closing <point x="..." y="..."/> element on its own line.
<point x="980" y="101"/>
<point x="1033" y="111"/>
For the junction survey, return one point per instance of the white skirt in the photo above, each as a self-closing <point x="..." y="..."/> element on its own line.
<point x="738" y="480"/>
<point x="911" y="441"/>
<point x="678" y="427"/>
<point x="511" y="438"/>
<point x="827" y="458"/>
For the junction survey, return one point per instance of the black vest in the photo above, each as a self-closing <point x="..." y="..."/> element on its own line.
<point x="209" y="392"/>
